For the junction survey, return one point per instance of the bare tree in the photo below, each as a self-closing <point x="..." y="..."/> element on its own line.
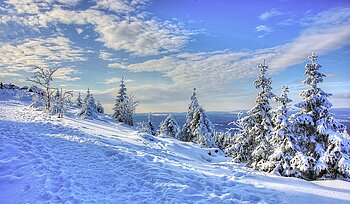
<point x="43" y="77"/>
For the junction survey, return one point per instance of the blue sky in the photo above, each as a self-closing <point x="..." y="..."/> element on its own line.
<point x="165" y="48"/>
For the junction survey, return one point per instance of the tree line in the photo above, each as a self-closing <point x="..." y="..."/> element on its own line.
<point x="309" y="144"/>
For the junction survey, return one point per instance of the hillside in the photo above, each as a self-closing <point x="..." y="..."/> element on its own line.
<point x="49" y="160"/>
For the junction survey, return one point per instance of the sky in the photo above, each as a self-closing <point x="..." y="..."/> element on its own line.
<point x="164" y="49"/>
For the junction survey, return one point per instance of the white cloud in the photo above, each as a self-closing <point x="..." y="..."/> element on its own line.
<point x="105" y="55"/>
<point x="263" y="29"/>
<point x="113" y="5"/>
<point x="69" y="2"/>
<point x="328" y="18"/>
<point x="330" y="30"/>
<point x="214" y="71"/>
<point x="115" y="80"/>
<point x="47" y="52"/>
<point x="269" y="14"/>
<point x="65" y="74"/>
<point x="37" y="6"/>
<point x="199" y="69"/>
<point x="323" y="42"/>
<point x="143" y="37"/>
<point x="79" y="30"/>
<point x="7" y="74"/>
<point x="131" y="32"/>
<point x="24" y="6"/>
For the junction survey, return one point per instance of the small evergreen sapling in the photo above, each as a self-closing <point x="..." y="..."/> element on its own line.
<point x="78" y="101"/>
<point x="100" y="108"/>
<point x="151" y="126"/>
<point x="88" y="110"/>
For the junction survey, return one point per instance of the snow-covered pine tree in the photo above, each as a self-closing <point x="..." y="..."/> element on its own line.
<point x="203" y="129"/>
<point x="78" y="101"/>
<point x="283" y="144"/>
<point x="88" y="110"/>
<point x="324" y="152"/>
<point x="169" y="127"/>
<point x="186" y="132"/>
<point x="127" y="109"/>
<point x="251" y="144"/>
<point x="223" y="139"/>
<point x="124" y="108"/>
<point x="151" y="126"/>
<point x="99" y="108"/>
<point x="198" y="128"/>
<point x="120" y="102"/>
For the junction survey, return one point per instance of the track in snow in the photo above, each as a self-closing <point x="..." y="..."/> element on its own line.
<point x="48" y="160"/>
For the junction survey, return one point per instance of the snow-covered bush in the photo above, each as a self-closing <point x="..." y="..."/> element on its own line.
<point x="61" y="102"/>
<point x="147" y="127"/>
<point x="223" y="139"/>
<point x="169" y="127"/>
<point x="142" y="127"/>
<point x="21" y="93"/>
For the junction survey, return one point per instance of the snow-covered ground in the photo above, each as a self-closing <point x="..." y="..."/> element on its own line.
<point x="49" y="160"/>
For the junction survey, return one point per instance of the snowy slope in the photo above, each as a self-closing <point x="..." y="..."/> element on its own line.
<point x="48" y="160"/>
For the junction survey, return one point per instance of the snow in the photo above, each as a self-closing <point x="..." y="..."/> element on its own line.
<point x="46" y="159"/>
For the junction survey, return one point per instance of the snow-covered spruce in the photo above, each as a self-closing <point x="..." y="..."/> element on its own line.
<point x="78" y="101"/>
<point x="251" y="144"/>
<point x="324" y="151"/>
<point x="88" y="110"/>
<point x="223" y="139"/>
<point x="151" y="126"/>
<point x="186" y="132"/>
<point x="283" y="144"/>
<point x="198" y="127"/>
<point x="124" y="108"/>
<point x="99" y="108"/>
<point x="120" y="98"/>
<point x="169" y="127"/>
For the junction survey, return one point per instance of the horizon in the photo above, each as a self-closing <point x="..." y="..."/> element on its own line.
<point x="166" y="48"/>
